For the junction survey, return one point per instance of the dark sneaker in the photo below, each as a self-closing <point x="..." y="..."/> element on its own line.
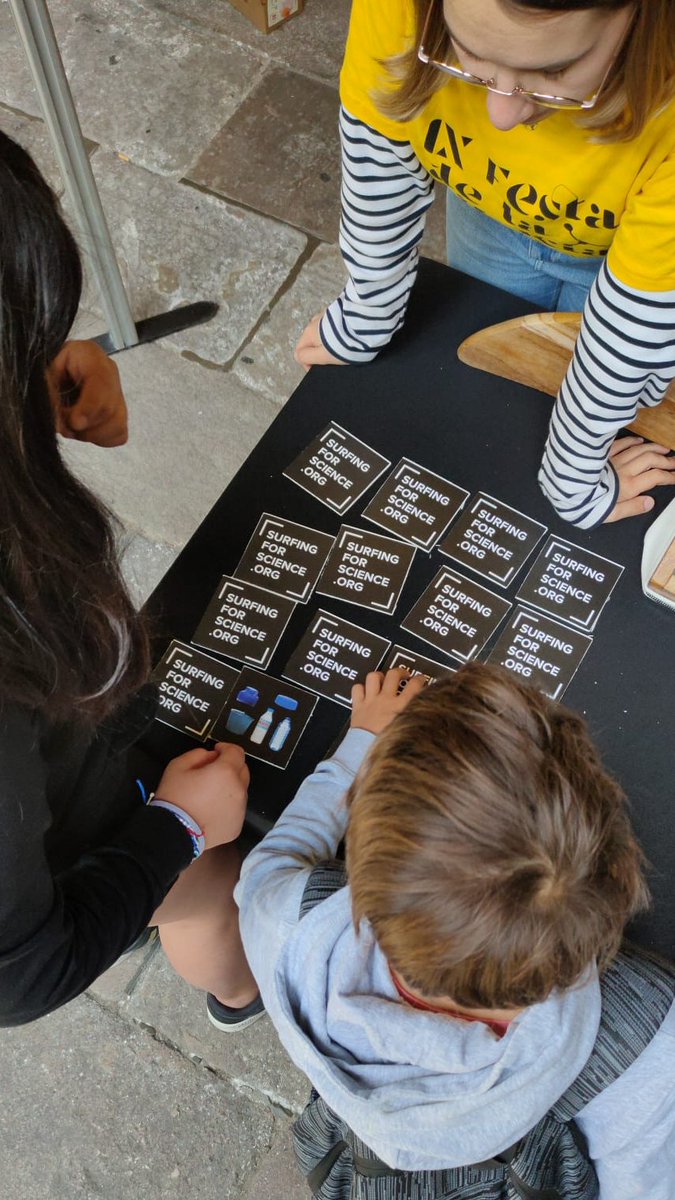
<point x="231" y="1020"/>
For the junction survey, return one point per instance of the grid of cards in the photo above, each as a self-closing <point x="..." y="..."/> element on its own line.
<point x="541" y="638"/>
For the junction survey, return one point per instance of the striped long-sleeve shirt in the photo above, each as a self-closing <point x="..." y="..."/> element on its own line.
<point x="625" y="354"/>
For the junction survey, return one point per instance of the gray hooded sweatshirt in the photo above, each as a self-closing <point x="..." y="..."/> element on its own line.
<point x="425" y="1090"/>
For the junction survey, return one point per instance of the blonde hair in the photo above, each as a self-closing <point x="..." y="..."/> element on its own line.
<point x="641" y="82"/>
<point x="487" y="846"/>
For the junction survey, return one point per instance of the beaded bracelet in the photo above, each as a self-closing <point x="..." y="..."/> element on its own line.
<point x="197" y="835"/>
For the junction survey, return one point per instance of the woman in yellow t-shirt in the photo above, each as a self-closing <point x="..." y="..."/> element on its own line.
<point x="551" y="124"/>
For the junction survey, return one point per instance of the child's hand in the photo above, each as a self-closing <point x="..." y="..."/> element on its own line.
<point x="640" y="467"/>
<point x="210" y="786"/>
<point x="310" y="350"/>
<point x="375" y="704"/>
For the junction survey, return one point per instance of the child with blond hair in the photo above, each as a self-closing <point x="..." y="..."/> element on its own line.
<point x="461" y="1001"/>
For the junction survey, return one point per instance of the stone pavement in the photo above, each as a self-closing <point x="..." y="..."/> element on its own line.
<point x="215" y="151"/>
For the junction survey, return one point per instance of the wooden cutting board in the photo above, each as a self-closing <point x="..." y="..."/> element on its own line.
<point x="536" y="351"/>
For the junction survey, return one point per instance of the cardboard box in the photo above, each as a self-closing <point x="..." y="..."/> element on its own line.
<point x="269" y="14"/>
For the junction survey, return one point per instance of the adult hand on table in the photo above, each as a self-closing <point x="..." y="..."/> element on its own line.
<point x="380" y="699"/>
<point x="211" y="786"/>
<point x="310" y="350"/>
<point x="640" y="466"/>
<point x="87" y="396"/>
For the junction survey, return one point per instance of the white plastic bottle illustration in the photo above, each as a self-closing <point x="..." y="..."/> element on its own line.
<point x="280" y="734"/>
<point x="260" y="732"/>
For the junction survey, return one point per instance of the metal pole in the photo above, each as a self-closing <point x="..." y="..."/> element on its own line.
<point x="37" y="34"/>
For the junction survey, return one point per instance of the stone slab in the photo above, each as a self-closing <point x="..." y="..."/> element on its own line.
<point x="177" y="245"/>
<point x="266" y="363"/>
<point x="280" y="153"/>
<point x="312" y="43"/>
<point x="16" y="84"/>
<point x="143" y="83"/>
<point x="279" y="1176"/>
<point x="144" y="564"/>
<point x="95" y="1110"/>
<point x="190" y="431"/>
<point x="253" y="1059"/>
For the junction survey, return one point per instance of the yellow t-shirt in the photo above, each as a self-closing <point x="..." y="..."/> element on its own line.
<point x="551" y="183"/>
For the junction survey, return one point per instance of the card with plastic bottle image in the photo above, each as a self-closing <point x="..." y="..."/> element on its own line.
<point x="265" y="716"/>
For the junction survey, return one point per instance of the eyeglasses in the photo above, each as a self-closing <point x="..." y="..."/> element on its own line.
<point x="546" y="101"/>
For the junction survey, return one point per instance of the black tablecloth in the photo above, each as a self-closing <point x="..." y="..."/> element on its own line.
<point x="417" y="400"/>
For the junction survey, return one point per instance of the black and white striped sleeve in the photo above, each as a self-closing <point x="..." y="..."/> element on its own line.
<point x="385" y="196"/>
<point x="624" y="360"/>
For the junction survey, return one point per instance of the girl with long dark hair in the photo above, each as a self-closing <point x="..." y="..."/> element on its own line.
<point x="551" y="123"/>
<point x="85" y="866"/>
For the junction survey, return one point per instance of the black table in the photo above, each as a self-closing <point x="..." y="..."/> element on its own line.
<point x="417" y="400"/>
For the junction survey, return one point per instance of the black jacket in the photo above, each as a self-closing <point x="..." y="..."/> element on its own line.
<point x="83" y="864"/>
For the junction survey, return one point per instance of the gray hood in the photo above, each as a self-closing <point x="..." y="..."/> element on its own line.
<point x="424" y="1090"/>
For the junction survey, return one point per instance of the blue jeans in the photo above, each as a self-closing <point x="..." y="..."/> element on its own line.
<point x="488" y="250"/>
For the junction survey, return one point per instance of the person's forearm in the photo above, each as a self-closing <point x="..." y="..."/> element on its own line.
<point x="385" y="196"/>
<point x="313" y="825"/>
<point x="624" y="358"/>
<point x="310" y="830"/>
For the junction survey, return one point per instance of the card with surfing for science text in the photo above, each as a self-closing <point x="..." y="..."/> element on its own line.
<point x="285" y="557"/>
<point x="333" y="655"/>
<point x="337" y="468"/>
<point x="265" y="716"/>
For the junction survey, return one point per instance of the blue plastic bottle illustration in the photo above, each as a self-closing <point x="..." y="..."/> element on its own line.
<point x="239" y="721"/>
<point x="260" y="732"/>
<point x="280" y="734"/>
